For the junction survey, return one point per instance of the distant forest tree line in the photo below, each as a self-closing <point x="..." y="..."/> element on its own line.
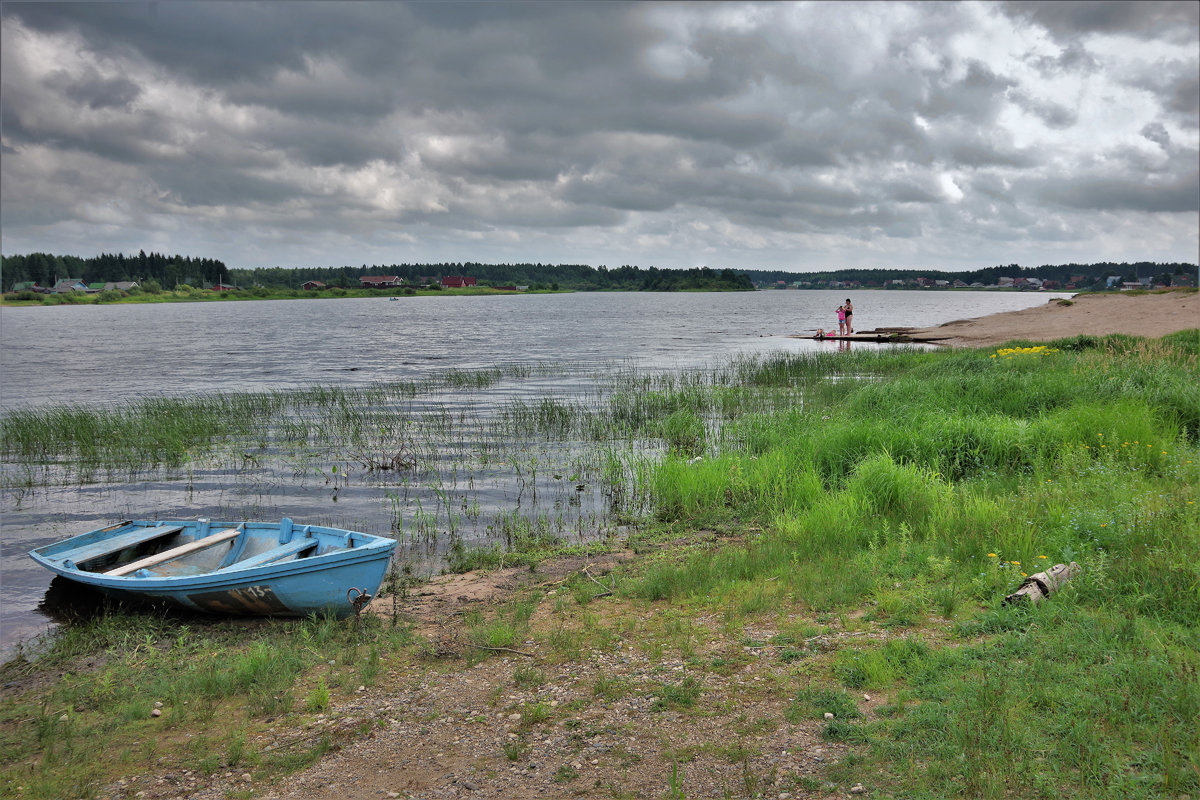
<point x="1164" y="273"/>
<point x="171" y="271"/>
<point x="168" y="272"/>
<point x="579" y="277"/>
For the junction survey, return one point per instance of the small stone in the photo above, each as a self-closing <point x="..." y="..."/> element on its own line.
<point x="828" y="715"/>
<point x="63" y="718"/>
<point x="867" y="697"/>
<point x="158" y="704"/>
<point x="156" y="712"/>
<point x="246" y="777"/>
<point x="857" y="789"/>
<point x="393" y="794"/>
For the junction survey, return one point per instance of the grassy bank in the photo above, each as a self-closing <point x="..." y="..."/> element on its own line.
<point x="817" y="529"/>
<point x="921" y="500"/>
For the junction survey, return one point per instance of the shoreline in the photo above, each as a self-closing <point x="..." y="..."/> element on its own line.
<point x="1150" y="315"/>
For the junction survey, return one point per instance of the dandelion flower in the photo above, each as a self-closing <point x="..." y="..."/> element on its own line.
<point x="1041" y="556"/>
<point x="991" y="555"/>
<point x="1015" y="563"/>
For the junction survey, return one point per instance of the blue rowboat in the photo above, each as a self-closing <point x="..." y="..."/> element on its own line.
<point x="254" y="568"/>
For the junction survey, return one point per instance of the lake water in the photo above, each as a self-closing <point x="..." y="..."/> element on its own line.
<point x="103" y="355"/>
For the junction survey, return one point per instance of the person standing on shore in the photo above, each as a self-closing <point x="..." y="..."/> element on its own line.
<point x="841" y="320"/>
<point x="849" y="307"/>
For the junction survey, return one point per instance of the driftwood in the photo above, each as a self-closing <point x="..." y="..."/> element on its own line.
<point x="1037" y="588"/>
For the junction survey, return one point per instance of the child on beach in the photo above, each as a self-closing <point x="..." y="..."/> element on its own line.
<point x="841" y="320"/>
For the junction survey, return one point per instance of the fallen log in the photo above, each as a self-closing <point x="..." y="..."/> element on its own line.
<point x="1038" y="587"/>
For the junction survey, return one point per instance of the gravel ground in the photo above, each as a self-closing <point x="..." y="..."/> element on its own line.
<point x="439" y="727"/>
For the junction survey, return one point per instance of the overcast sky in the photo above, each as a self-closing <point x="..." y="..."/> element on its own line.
<point x="797" y="136"/>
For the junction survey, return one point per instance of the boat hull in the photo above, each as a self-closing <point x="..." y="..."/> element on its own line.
<point x="323" y="570"/>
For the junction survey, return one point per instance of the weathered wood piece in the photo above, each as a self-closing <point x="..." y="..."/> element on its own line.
<point x="175" y="552"/>
<point x="106" y="547"/>
<point x="1041" y="585"/>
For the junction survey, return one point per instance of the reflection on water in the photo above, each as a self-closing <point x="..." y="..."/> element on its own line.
<point x="505" y="410"/>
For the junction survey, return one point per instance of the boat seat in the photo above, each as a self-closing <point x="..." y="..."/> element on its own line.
<point x="106" y="547"/>
<point x="175" y="552"/>
<point x="294" y="547"/>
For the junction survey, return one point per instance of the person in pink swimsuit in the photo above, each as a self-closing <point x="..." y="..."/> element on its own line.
<point x="841" y="320"/>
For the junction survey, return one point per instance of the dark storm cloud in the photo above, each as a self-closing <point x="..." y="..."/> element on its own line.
<point x="1143" y="19"/>
<point x="708" y="127"/>
<point x="1180" y="193"/>
<point x="95" y="91"/>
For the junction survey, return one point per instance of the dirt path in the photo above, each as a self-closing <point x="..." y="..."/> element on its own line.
<point x="599" y="722"/>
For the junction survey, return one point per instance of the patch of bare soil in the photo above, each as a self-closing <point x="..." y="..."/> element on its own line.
<point x="601" y="722"/>
<point x="431" y="605"/>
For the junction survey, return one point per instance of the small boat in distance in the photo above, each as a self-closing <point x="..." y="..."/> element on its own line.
<point x="244" y="568"/>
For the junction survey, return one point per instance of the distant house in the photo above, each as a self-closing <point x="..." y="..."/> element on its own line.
<point x="110" y="286"/>
<point x="379" y="281"/>
<point x="457" y="282"/>
<point x="222" y="287"/>
<point x="68" y="285"/>
<point x="29" y="286"/>
<point x="313" y="286"/>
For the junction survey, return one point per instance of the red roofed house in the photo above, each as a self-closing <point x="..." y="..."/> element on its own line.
<point x="457" y="282"/>
<point x="312" y="286"/>
<point x="379" y="281"/>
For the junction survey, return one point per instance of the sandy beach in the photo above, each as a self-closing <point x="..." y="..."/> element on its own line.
<point x="1150" y="315"/>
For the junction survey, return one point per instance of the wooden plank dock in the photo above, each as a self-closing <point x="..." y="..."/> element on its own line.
<point x="885" y="335"/>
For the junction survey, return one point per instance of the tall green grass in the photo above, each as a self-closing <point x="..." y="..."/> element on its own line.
<point x="925" y="488"/>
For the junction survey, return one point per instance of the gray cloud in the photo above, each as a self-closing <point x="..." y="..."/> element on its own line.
<point x="613" y="133"/>
<point x="1143" y="19"/>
